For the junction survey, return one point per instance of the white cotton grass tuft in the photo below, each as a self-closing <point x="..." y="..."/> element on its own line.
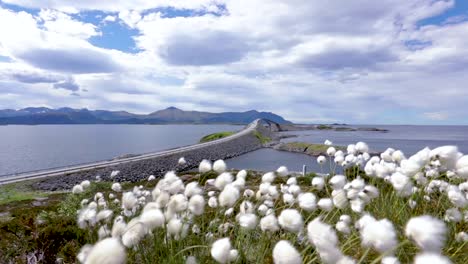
<point x="174" y="228"/>
<point x="248" y="221"/>
<point x="324" y="238"/>
<point x="181" y="161"/>
<point x="116" y="187"/>
<point x="152" y="218"/>
<point x="331" y="151"/>
<point x="134" y="233"/>
<point x="191" y="260"/>
<point x="77" y="189"/>
<point x="84" y="252"/>
<point x="205" y="166"/>
<point x="328" y="142"/>
<point x="196" y="204"/>
<point x="431" y="258"/>
<point x="221" y="250"/>
<point x="291" y="220"/>
<point x="326" y="204"/>
<point x="229" y="196"/>
<point x="114" y="174"/>
<point x="380" y="235"/>
<point x="222" y="180"/>
<point x="268" y="177"/>
<point x="119" y="227"/>
<point x="282" y="171"/>
<point x="318" y="183"/>
<point x="219" y="166"/>
<point x="307" y="201"/>
<point x="269" y="223"/>
<point x="390" y="260"/>
<point x="151" y="178"/>
<point x="192" y="189"/>
<point x="428" y="233"/>
<point x="107" y="251"/>
<point x="85" y="184"/>
<point x="285" y="253"/>
<point x="321" y="159"/>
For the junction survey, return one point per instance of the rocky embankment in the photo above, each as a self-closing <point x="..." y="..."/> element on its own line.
<point x="142" y="169"/>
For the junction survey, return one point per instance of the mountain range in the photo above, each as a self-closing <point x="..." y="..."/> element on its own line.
<point x="171" y="115"/>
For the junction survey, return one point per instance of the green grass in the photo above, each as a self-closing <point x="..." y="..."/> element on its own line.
<point x="216" y="136"/>
<point x="17" y="192"/>
<point x="263" y="139"/>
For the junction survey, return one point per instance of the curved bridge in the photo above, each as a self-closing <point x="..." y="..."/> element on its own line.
<point x="231" y="143"/>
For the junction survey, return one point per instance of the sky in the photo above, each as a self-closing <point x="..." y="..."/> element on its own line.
<point x="360" y="61"/>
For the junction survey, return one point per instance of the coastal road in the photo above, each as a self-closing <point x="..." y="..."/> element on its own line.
<point x="102" y="164"/>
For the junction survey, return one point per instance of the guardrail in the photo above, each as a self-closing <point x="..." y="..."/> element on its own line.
<point x="102" y="164"/>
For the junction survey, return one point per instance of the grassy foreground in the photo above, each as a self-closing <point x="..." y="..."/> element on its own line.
<point x="53" y="231"/>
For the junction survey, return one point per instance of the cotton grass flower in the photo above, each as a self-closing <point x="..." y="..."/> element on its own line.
<point x="428" y="233"/>
<point x="285" y="253"/>
<point x="219" y="166"/>
<point x="196" y="204"/>
<point x="134" y="233"/>
<point x="77" y="189"/>
<point x="321" y="160"/>
<point x="307" y="201"/>
<point x="181" y="161"/>
<point x="205" y="166"/>
<point x="324" y="238"/>
<point x="116" y="187"/>
<point x="107" y="251"/>
<point x="221" y="251"/>
<point x="85" y="184"/>
<point x="213" y="202"/>
<point x="431" y="258"/>
<point x="269" y="223"/>
<point x="326" y="204"/>
<point x="229" y="196"/>
<point x="151" y="178"/>
<point x="192" y="189"/>
<point x="380" y="235"/>
<point x="248" y="221"/>
<point x="282" y="171"/>
<point x="318" y="183"/>
<point x="268" y="177"/>
<point x="291" y="220"/>
<point x="152" y="218"/>
<point x="222" y="180"/>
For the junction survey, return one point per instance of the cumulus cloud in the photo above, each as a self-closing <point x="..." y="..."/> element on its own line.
<point x="205" y="49"/>
<point x="67" y="85"/>
<point x="69" y="61"/>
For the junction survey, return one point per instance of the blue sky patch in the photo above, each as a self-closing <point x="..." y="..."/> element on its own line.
<point x="455" y="14"/>
<point x="117" y="36"/>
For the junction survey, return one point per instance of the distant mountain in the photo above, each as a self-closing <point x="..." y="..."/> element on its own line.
<point x="171" y="115"/>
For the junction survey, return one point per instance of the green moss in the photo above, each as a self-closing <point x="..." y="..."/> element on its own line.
<point x="261" y="137"/>
<point x="215" y="136"/>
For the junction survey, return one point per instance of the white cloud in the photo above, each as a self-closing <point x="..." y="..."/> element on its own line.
<point x="436" y="116"/>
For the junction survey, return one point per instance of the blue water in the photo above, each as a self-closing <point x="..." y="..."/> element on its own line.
<point x="409" y="139"/>
<point x="28" y="148"/>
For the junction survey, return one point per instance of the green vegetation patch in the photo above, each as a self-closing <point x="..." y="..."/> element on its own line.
<point x="263" y="139"/>
<point x="16" y="192"/>
<point x="216" y="136"/>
